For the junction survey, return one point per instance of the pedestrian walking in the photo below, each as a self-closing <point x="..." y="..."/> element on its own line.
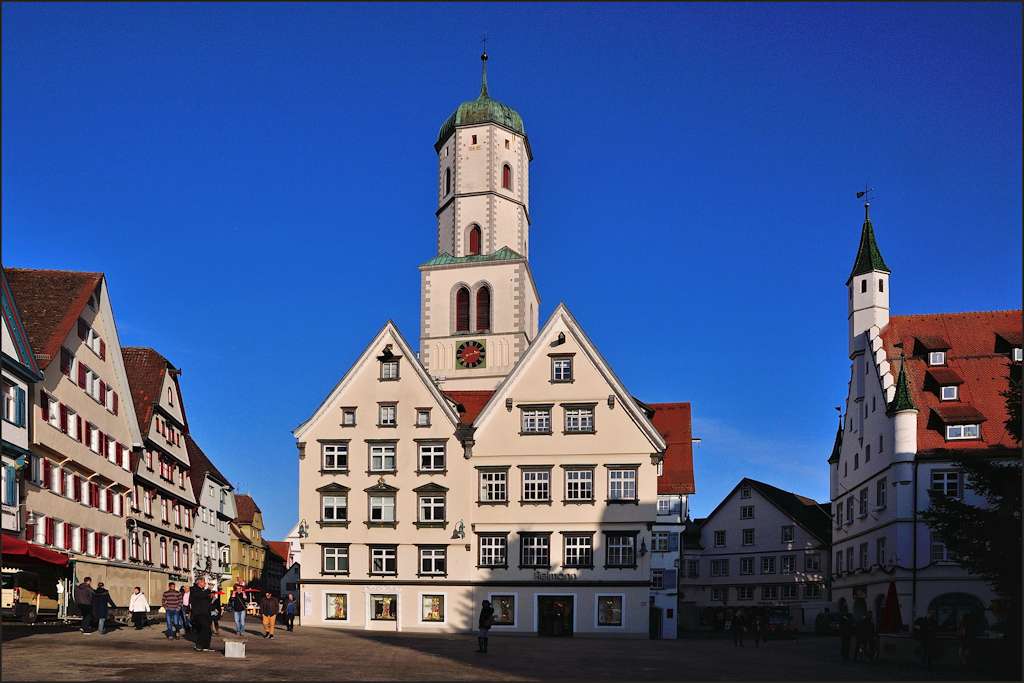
<point x="846" y="631"/>
<point x="865" y="633"/>
<point x="925" y="631"/>
<point x="83" y="597"/>
<point x="755" y="629"/>
<point x="138" y="605"/>
<point x="171" y="602"/>
<point x="101" y="601"/>
<point x="215" y="610"/>
<point x="288" y="610"/>
<point x="239" y="605"/>
<point x="966" y="636"/>
<point x="199" y="601"/>
<point x="186" y="611"/>
<point x="485" y="623"/>
<point x="737" y="626"/>
<point x="269" y="607"/>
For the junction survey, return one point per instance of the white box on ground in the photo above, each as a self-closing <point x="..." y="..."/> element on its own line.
<point x="234" y="647"/>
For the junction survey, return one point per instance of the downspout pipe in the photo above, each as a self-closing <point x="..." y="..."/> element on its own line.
<point x="913" y="606"/>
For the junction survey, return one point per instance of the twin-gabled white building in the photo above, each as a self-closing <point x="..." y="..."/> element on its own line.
<point x="500" y="462"/>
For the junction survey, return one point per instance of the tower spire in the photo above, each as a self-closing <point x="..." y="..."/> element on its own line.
<point x="483" y="85"/>
<point x="902" y="400"/>
<point x="869" y="257"/>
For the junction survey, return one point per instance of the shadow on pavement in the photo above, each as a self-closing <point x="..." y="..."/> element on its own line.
<point x="14" y="631"/>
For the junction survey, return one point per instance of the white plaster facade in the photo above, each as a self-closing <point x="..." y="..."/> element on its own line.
<point x="762" y="547"/>
<point x="212" y="518"/>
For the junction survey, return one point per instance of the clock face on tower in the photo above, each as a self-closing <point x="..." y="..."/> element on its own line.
<point x="471" y="354"/>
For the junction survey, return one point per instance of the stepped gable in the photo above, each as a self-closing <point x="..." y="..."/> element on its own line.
<point x="977" y="347"/>
<point x="672" y="420"/>
<point x="50" y="302"/>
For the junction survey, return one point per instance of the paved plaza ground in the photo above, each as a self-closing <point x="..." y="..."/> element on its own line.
<point x="314" y="653"/>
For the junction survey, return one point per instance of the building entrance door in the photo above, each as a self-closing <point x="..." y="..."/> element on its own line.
<point x="554" y="615"/>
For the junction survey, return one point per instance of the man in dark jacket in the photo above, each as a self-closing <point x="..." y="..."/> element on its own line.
<point x="200" y="604"/>
<point x="83" y="596"/>
<point x="288" y="611"/>
<point x="846" y="631"/>
<point x="100" y="602"/>
<point x="865" y="632"/>
<point x="269" y="607"/>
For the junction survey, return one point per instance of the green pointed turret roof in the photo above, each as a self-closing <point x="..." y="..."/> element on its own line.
<point x="869" y="258"/>
<point x="481" y="110"/>
<point x="902" y="400"/>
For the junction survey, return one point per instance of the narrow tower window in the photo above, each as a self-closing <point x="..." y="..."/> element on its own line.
<point x="881" y="285"/>
<point x="863" y="286"/>
<point x="483" y="309"/>
<point x="462" y="310"/>
<point x="447" y="181"/>
<point x="474" y="241"/>
<point x="506" y="177"/>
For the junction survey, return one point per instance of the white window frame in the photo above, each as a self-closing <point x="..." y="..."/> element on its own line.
<point x="429" y="505"/>
<point x="432" y="555"/>
<point x="579" y="420"/>
<point x="659" y="541"/>
<point x="746" y="566"/>
<point x="812" y="590"/>
<point x="536" y="421"/>
<point x="812" y="563"/>
<point x="744" y="592"/>
<point x="944" y="478"/>
<point x="720" y="539"/>
<point x="716" y="594"/>
<point x="335" y="553"/>
<point x="579" y="484"/>
<point x="744" y="493"/>
<point x="561" y="369"/>
<point x="787" y="564"/>
<point x="789" y="533"/>
<point x="388" y="415"/>
<point x="936" y="358"/>
<point x="751" y="534"/>
<point x="789" y="592"/>
<point x="768" y="565"/>
<point x="657" y="579"/>
<point x="534" y="550"/>
<point x="746" y="512"/>
<point x="622" y="483"/>
<point x="429" y="454"/>
<point x="334" y="503"/>
<point x="389" y="369"/>
<point x="769" y="592"/>
<point x="494" y="486"/>
<point x="444" y="609"/>
<point x="624" y="544"/>
<point x="382" y="557"/>
<point x="719" y="567"/>
<point x="423" y="418"/>
<point x="950" y="392"/>
<point x="963" y="432"/>
<point x="537" y="486"/>
<point x="348" y="417"/>
<point x="880" y="493"/>
<point x="384" y="507"/>
<point x="379" y="455"/>
<point x="578" y="550"/>
<point x="338" y="452"/>
<point x="492" y="547"/>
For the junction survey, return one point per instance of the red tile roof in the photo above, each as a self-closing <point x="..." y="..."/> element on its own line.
<point x="973" y="357"/>
<point x="50" y="302"/>
<point x="281" y="548"/>
<point x="200" y="467"/>
<point x="246" y="507"/>
<point x="237" y="530"/>
<point x="145" y="369"/>
<point x="672" y="420"/>
<point x="471" y="401"/>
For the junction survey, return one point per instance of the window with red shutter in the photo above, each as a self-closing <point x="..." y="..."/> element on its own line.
<point x="65" y="361"/>
<point x="81" y="375"/>
<point x="78" y="420"/>
<point x="83" y="330"/>
<point x="68" y="530"/>
<point x="103" y="444"/>
<point x="46" y="473"/>
<point x="63" y="482"/>
<point x="474" y="241"/>
<point x="462" y="310"/>
<point x="120" y="455"/>
<point x="115" y="403"/>
<point x="76" y="485"/>
<point x="103" y="349"/>
<point x="103" y="393"/>
<point x="483" y="309"/>
<point x="63" y="418"/>
<point x="51" y="531"/>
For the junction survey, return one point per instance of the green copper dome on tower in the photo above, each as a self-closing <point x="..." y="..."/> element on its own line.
<point x="482" y="109"/>
<point x="903" y="399"/>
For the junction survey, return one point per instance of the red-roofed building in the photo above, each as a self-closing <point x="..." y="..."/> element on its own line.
<point x="215" y="498"/>
<point x="923" y="390"/>
<point x="163" y="500"/>
<point x="83" y="431"/>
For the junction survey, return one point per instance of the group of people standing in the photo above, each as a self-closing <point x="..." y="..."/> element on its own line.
<point x="757" y="626"/>
<point x="270" y="608"/>
<point x="862" y="632"/>
<point x="95" y="603"/>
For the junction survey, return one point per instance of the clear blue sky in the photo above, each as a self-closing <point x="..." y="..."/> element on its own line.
<point x="258" y="184"/>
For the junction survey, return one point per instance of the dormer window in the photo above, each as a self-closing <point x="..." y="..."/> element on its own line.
<point x="1017" y="355"/>
<point x="936" y="358"/>
<point x="744" y="493"/>
<point x="962" y="432"/>
<point x="950" y="393"/>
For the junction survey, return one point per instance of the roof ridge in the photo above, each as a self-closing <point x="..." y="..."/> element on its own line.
<point x="922" y="315"/>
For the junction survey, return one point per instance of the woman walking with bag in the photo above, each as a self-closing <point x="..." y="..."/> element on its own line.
<point x="486" y="621"/>
<point x="139" y="608"/>
<point x="239" y="606"/>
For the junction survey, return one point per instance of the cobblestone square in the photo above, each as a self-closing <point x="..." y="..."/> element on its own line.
<point x="313" y="653"/>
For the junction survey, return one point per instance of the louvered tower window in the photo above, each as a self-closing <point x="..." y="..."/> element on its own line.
<point x="462" y="310"/>
<point x="506" y="177"/>
<point x="483" y="309"/>
<point x="474" y="241"/>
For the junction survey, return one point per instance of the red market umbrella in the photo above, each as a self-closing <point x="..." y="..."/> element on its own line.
<point x="892" y="621"/>
<point x="19" y="551"/>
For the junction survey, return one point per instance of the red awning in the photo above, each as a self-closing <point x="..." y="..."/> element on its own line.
<point x="18" y="551"/>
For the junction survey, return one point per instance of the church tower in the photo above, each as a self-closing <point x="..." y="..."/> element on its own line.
<point x="868" y="289"/>
<point x="479" y="303"/>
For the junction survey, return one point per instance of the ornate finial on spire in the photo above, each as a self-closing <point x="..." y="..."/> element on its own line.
<point x="484" y="95"/>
